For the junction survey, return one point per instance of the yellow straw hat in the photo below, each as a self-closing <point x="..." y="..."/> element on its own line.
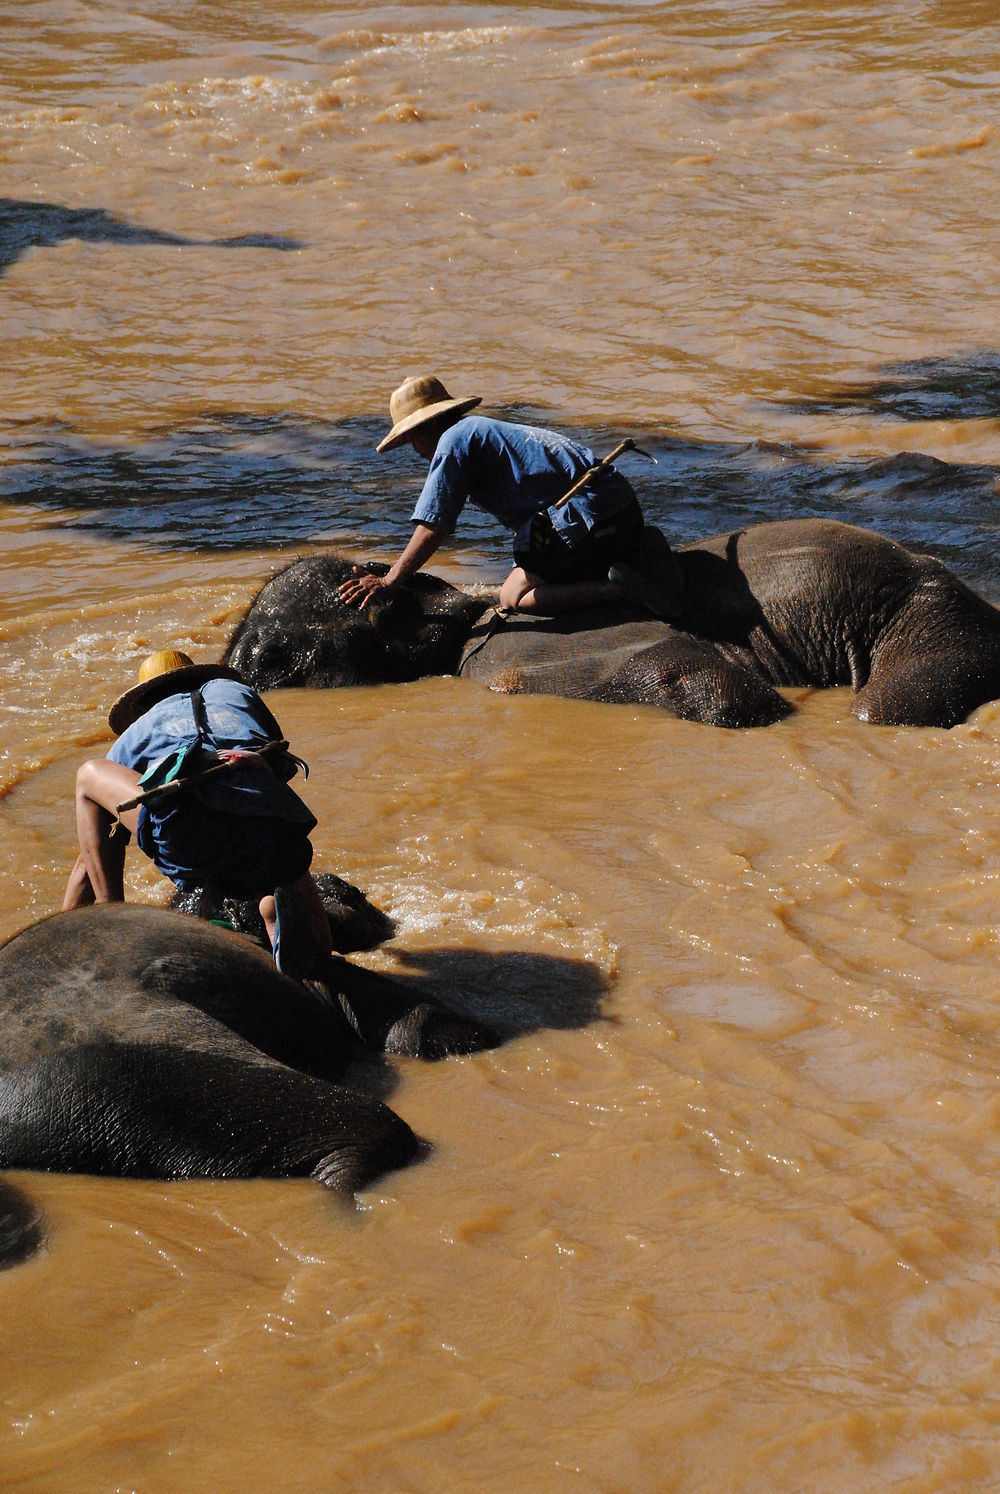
<point x="418" y="400"/>
<point x="167" y="672"/>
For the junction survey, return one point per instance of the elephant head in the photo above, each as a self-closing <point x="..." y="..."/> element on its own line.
<point x="355" y="923"/>
<point x="297" y="631"/>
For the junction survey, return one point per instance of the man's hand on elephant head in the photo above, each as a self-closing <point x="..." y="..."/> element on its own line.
<point x="361" y="587"/>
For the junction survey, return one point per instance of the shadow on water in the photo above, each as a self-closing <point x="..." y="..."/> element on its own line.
<point x="233" y="480"/>
<point x="42" y="225"/>
<point x="226" y="481"/>
<point x="515" y="993"/>
<point x="960" y="388"/>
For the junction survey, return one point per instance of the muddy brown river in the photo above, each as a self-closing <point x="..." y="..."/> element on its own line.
<point x="725" y="1215"/>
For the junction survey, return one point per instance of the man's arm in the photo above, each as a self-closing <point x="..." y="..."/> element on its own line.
<point x="425" y="539"/>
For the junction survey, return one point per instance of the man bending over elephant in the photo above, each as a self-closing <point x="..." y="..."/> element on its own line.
<point x="240" y="831"/>
<point x="571" y="555"/>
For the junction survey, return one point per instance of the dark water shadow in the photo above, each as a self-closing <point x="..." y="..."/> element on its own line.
<point x="225" y="481"/>
<point x="515" y="993"/>
<point x="28" y="225"/>
<point x="229" y="480"/>
<point x="964" y="387"/>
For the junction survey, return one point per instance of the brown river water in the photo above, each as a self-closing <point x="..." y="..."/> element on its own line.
<point x="727" y="1217"/>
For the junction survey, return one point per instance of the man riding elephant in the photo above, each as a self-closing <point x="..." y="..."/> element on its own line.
<point x="198" y="775"/>
<point x="801" y="602"/>
<point x="579" y="537"/>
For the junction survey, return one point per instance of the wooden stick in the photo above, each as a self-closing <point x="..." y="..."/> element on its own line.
<point x="602" y="466"/>
<point x="164" y="790"/>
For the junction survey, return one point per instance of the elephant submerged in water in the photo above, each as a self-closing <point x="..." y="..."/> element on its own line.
<point x="803" y="602"/>
<point x="381" y="1013"/>
<point x="355" y="923"/>
<point x="138" y="1042"/>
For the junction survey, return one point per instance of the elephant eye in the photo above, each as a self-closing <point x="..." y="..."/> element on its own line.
<point x="273" y="659"/>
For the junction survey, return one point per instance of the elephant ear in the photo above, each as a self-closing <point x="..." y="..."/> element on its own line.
<point x="424" y="625"/>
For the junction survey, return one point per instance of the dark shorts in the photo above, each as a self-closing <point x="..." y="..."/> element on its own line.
<point x="614" y="538"/>
<point x="241" y="855"/>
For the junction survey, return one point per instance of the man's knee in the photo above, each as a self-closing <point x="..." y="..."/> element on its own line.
<point x="88" y="776"/>
<point x="516" y="586"/>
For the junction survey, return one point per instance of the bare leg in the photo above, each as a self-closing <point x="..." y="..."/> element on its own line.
<point x="79" y="893"/>
<point x="319" y="923"/>
<point x="98" y="873"/>
<point x="524" y="592"/>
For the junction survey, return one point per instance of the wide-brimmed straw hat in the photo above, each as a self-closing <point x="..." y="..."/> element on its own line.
<point x="415" y="402"/>
<point x="167" y="672"/>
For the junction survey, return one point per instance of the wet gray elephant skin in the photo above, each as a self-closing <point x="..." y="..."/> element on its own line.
<point x="22" y="1230"/>
<point x="804" y="602"/>
<point x="136" y="1042"/>
<point x="298" y="632"/>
